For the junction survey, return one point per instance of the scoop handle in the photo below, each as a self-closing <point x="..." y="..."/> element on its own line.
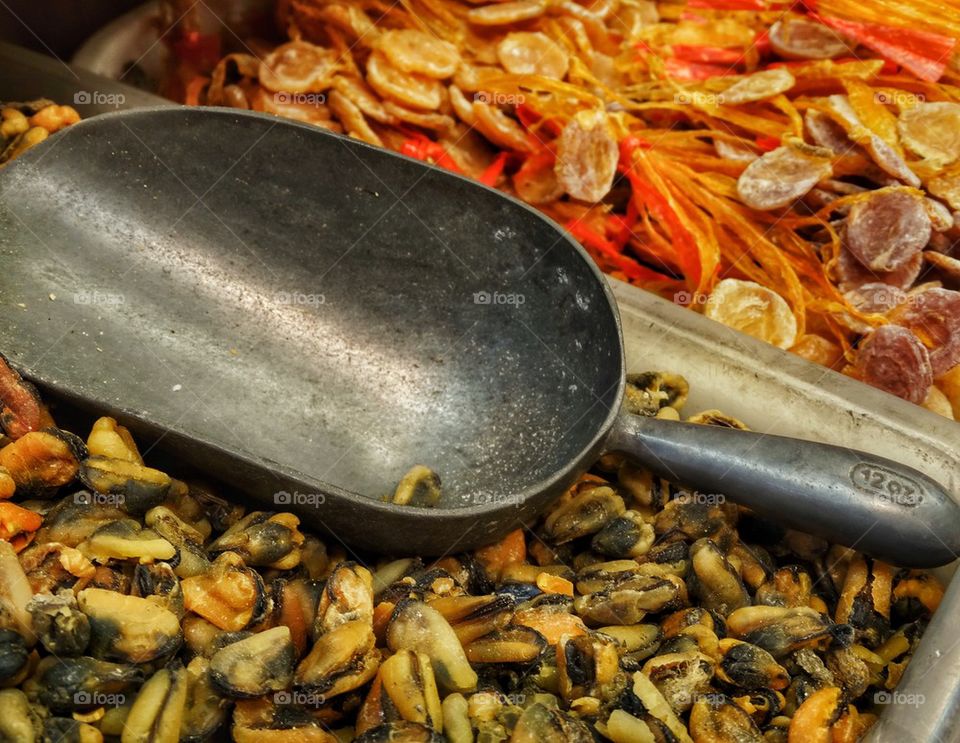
<point x="869" y="503"/>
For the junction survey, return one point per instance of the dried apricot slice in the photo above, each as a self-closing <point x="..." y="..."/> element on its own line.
<point x="932" y="131"/>
<point x="752" y="309"/>
<point x="298" y="67"/>
<point x="587" y="155"/>
<point x="523" y="53"/>
<point x="781" y="177"/>
<point x="407" y="88"/>
<point x="799" y="38"/>
<point x="888" y="229"/>
<point x="410" y="50"/>
<point x="893" y="359"/>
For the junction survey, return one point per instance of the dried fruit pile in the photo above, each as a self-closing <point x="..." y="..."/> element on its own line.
<point x="141" y="607"/>
<point x="807" y="150"/>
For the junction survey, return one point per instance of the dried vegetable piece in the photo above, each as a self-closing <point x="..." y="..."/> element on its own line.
<point x="503" y="14"/>
<point x="587" y="156"/>
<point x="888" y="229"/>
<point x="752" y="309"/>
<point x="893" y="359"/>
<point x="781" y="177"/>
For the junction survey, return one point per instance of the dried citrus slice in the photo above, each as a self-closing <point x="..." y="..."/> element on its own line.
<point x="932" y="131"/>
<point x="407" y="88"/>
<point x="587" y="155"/>
<point x="410" y="50"/>
<point x="524" y="53"/>
<point x="752" y="309"/>
<point x="888" y="229"/>
<point x="298" y="67"/>
<point x="759" y="85"/>
<point x="799" y="38"/>
<point x="893" y="359"/>
<point x="781" y="177"/>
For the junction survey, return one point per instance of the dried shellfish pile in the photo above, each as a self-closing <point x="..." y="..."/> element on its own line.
<point x="788" y="169"/>
<point x="23" y="125"/>
<point x="139" y="607"/>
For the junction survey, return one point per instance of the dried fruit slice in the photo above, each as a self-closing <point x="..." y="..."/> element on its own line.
<point x="410" y="50"/>
<point x="850" y="273"/>
<point x="888" y="229"/>
<point x="932" y="131"/>
<point x="819" y="350"/>
<point x="298" y="67"/>
<point x="409" y="89"/>
<point x="759" y="85"/>
<point x="362" y="97"/>
<point x="502" y="14"/>
<point x="799" y="38"/>
<point x="946" y="187"/>
<point x="587" y="156"/>
<point x="826" y="132"/>
<point x="523" y="53"/>
<point x="781" y="177"/>
<point x="499" y="128"/>
<point x="883" y="154"/>
<point x="352" y="119"/>
<point x="934" y="317"/>
<point x="752" y="309"/>
<point x="893" y="359"/>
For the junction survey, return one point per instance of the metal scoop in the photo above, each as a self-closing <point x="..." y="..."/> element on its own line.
<point x="307" y="317"/>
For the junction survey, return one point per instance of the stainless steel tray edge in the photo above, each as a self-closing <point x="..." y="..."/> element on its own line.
<point x="776" y="392"/>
